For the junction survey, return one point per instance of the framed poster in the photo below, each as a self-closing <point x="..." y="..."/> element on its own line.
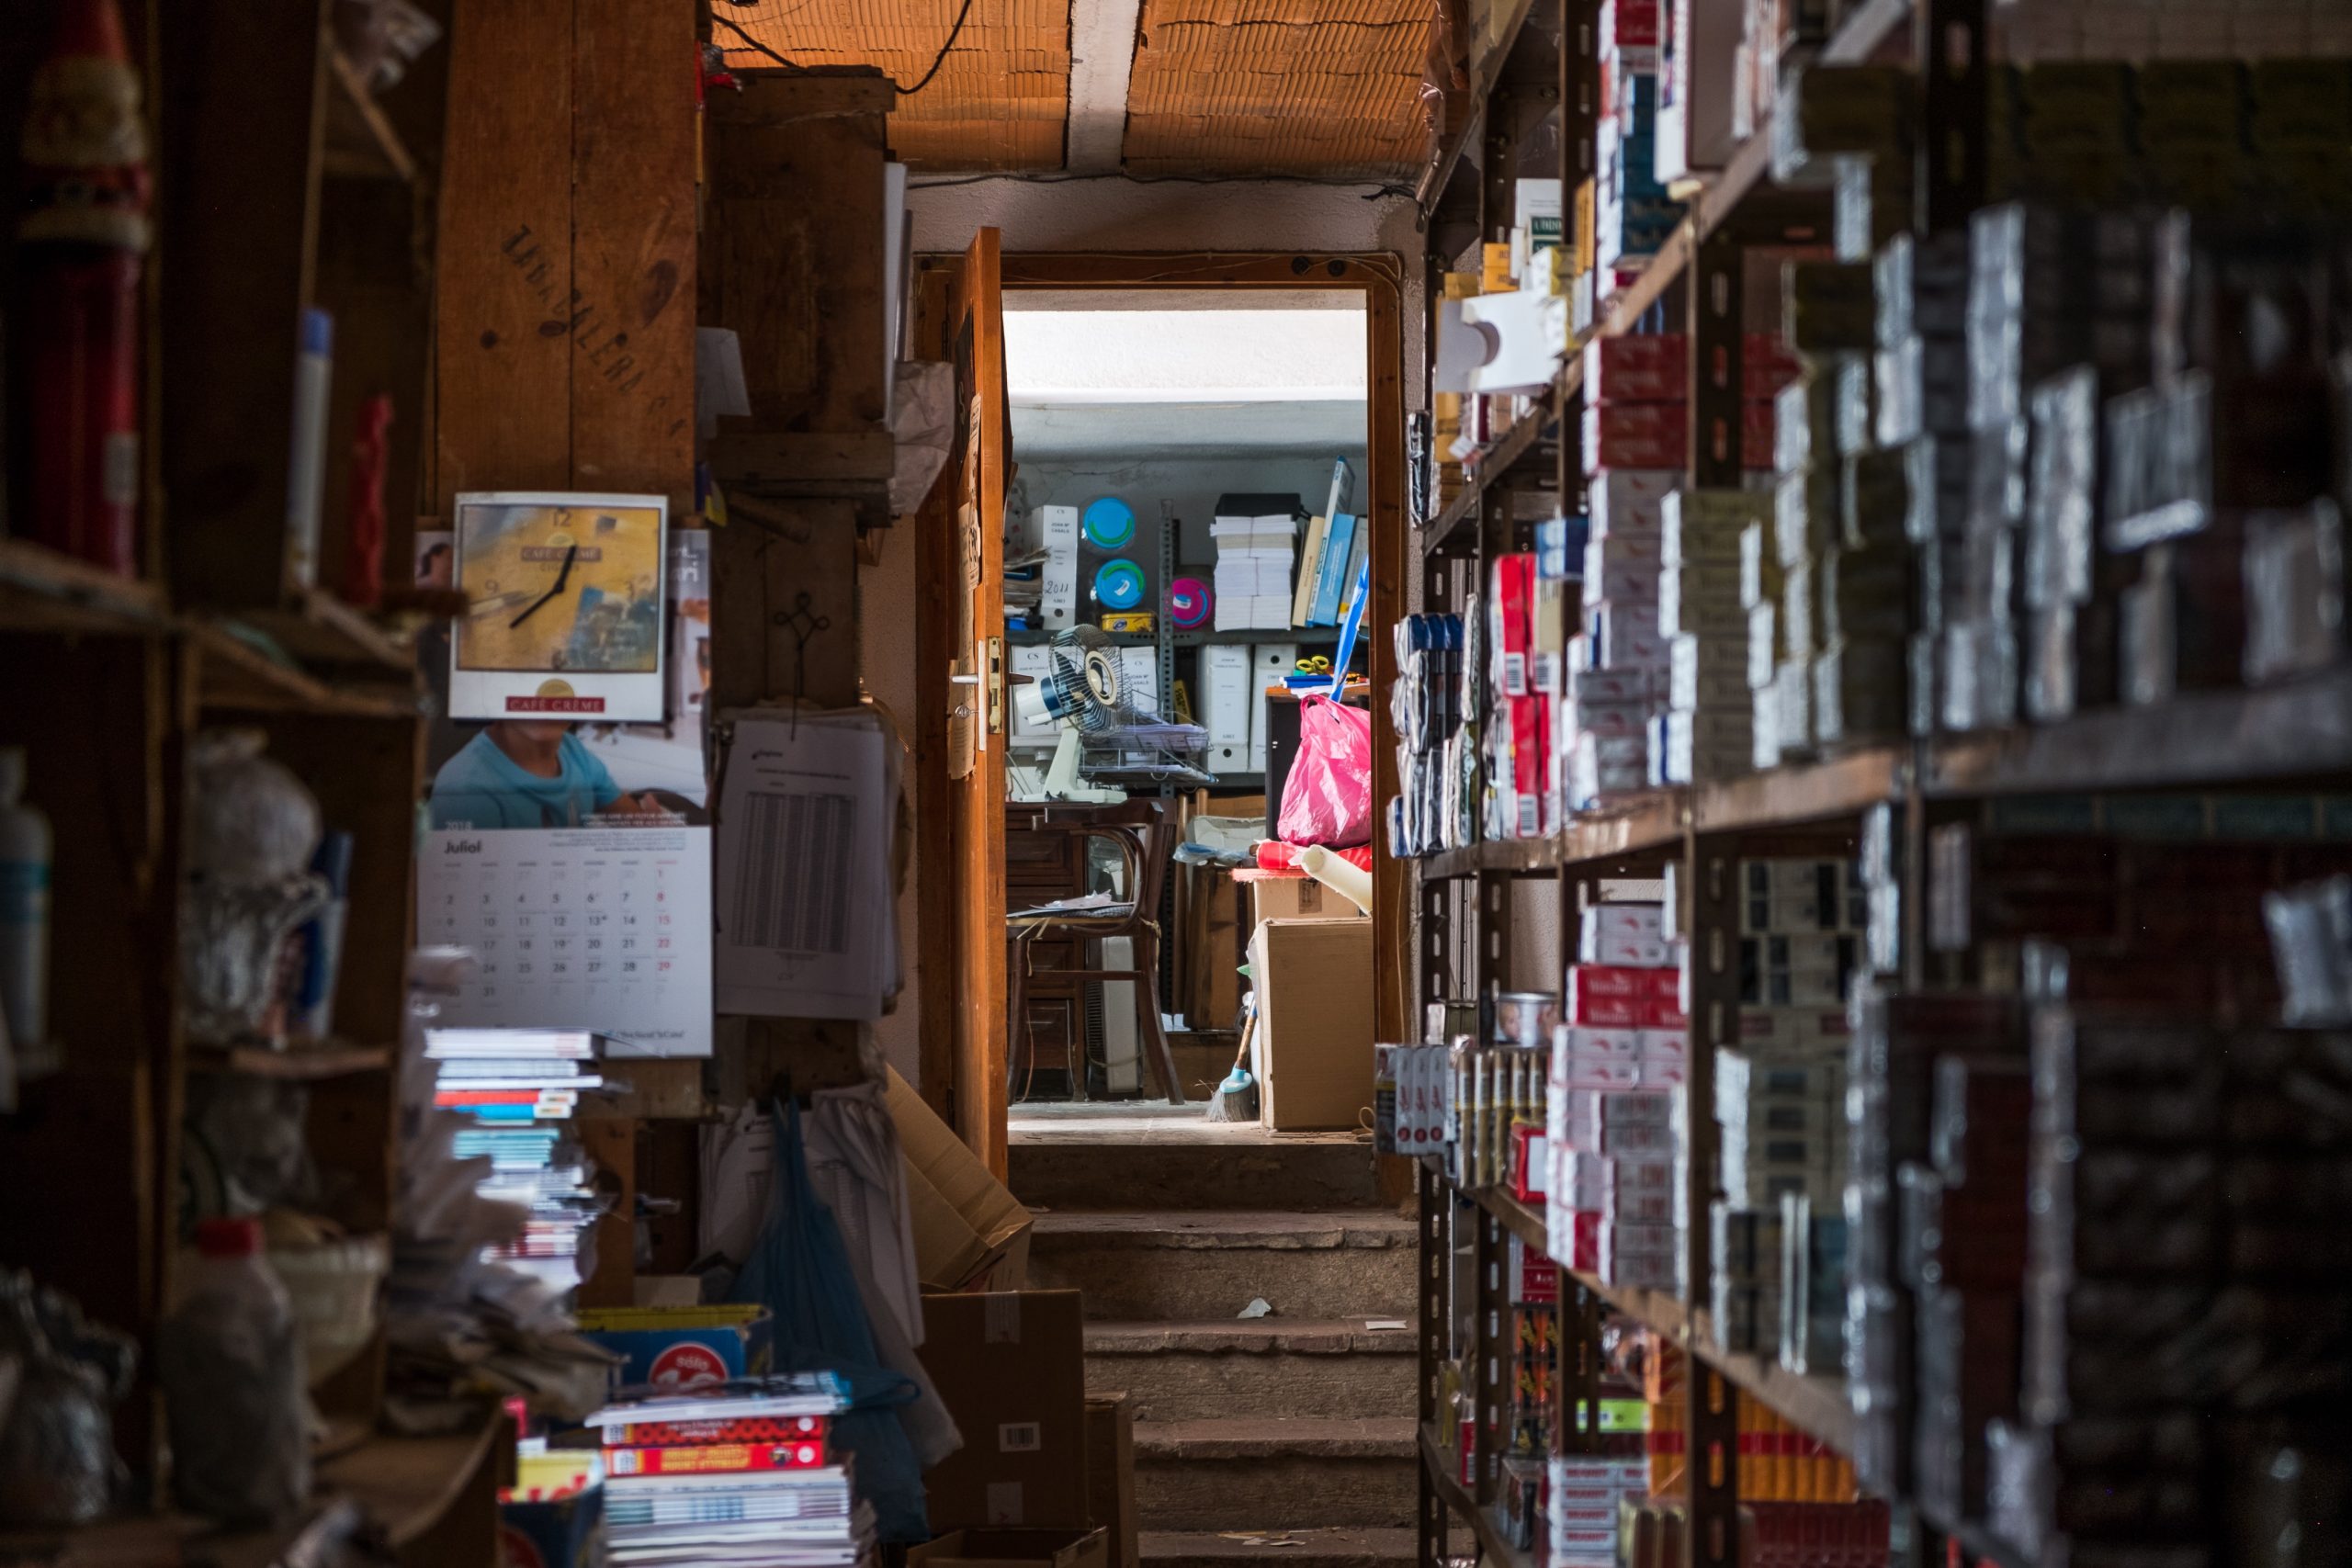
<point x="564" y="606"/>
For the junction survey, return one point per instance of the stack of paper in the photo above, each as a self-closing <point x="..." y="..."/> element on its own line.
<point x="1255" y="557"/>
<point x="520" y="1088"/>
<point x="740" y="1473"/>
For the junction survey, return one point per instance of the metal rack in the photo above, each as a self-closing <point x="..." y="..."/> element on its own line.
<point x="2288" y="736"/>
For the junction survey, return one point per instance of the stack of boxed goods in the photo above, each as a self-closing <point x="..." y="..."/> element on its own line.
<point x="1796" y="1493"/>
<point x="1523" y="801"/>
<point x="1587" y="1492"/>
<point x="522" y="1086"/>
<point x="2117" y="1208"/>
<point x="1628" y="214"/>
<point x="2221" y="474"/>
<point x="1920" y="379"/>
<point x="1532" y="1287"/>
<point x="1777" y="1236"/>
<point x="1706" y="733"/>
<point x="1618" y="1062"/>
<point x="740" y="1471"/>
<point x="1426" y="710"/>
<point x="1481" y="1109"/>
<point x="1617" y="671"/>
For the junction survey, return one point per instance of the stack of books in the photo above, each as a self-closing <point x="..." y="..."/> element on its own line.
<point x="1332" y="558"/>
<point x="740" y="1473"/>
<point x="520" y="1088"/>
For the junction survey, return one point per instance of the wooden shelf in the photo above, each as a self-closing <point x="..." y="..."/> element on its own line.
<point x="45" y="591"/>
<point x="1491" y="463"/>
<point x="1483" y="73"/>
<point x="1815" y="1403"/>
<point x="299" y="1064"/>
<point x="361" y="142"/>
<point x="407" y="1483"/>
<point x="235" y="676"/>
<point x="1718" y="201"/>
<point x="1445" y="1467"/>
<point x="317" y="628"/>
<point x="2299" y="730"/>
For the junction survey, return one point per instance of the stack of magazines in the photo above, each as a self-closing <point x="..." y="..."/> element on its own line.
<point x="521" y="1088"/>
<point x="741" y="1473"/>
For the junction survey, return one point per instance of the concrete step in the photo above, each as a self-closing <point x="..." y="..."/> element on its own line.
<point x="1280" y="1549"/>
<point x="1191" y="1265"/>
<point x="1280" y="1367"/>
<point x="1280" y="1475"/>
<point x="1211" y="1169"/>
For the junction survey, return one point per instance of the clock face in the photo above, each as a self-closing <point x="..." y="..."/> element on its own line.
<point x="561" y="588"/>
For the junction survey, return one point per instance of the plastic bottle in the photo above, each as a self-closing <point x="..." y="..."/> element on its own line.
<point x="24" y="908"/>
<point x="231" y="1369"/>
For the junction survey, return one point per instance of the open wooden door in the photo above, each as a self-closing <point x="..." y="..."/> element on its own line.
<point x="969" y="596"/>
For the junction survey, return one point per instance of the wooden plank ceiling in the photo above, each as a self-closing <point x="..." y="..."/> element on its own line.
<point x="997" y="102"/>
<point x="1323" y="88"/>
<point x="1320" y="87"/>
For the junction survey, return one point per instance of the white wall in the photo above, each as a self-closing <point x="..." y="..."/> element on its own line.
<point x="1190" y="485"/>
<point x="1120" y="214"/>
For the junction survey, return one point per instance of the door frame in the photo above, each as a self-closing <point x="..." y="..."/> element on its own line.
<point x="1378" y="277"/>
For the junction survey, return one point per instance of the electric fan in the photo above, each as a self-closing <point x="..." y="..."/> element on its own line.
<point x="1080" y="695"/>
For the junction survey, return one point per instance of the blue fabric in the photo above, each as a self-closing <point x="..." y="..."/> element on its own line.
<point x="481" y="787"/>
<point x="800" y="1271"/>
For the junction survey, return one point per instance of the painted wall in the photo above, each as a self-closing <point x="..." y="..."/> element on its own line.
<point x="1119" y="214"/>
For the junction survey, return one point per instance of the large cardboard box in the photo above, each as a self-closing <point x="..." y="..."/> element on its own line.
<point x="967" y="1222"/>
<point x="1300" y="898"/>
<point x="1313" y="980"/>
<point x="1014" y="1548"/>
<point x="1011" y="1366"/>
<point x="1111" y="1475"/>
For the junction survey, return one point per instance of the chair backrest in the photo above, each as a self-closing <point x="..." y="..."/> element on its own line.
<point x="1146" y="840"/>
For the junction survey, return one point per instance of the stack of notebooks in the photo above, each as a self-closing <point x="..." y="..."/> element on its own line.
<point x="520" y="1088"/>
<point x="740" y="1473"/>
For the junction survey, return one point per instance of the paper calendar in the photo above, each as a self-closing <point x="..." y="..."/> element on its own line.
<point x="606" y="929"/>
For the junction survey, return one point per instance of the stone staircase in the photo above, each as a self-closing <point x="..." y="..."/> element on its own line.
<point x="1286" y="1437"/>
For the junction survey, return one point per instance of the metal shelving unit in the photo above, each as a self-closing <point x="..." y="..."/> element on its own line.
<point x="2296" y="737"/>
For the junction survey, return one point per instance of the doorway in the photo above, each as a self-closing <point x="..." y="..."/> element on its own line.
<point x="1142" y="400"/>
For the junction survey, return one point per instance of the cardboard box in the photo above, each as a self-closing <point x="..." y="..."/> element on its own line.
<point x="967" y="1222"/>
<point x="1111" y="1475"/>
<point x="1314" y="985"/>
<point x="1298" y="898"/>
<point x="680" y="1347"/>
<point x="1011" y="1366"/>
<point x="1014" y="1548"/>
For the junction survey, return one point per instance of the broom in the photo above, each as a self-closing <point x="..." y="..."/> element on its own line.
<point x="1235" y="1099"/>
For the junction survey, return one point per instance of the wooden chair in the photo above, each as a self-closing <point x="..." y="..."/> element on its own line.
<point x="1146" y="840"/>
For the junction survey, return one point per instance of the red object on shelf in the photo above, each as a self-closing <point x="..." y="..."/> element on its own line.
<point x="1273" y="854"/>
<point x="371" y="450"/>
<point x="83" y="238"/>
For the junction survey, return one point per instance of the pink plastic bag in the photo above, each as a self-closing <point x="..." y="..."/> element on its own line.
<point x="1327" y="797"/>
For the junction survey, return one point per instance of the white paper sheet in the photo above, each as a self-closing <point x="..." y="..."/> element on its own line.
<point x="806" y="925"/>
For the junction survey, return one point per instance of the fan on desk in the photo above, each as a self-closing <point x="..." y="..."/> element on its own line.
<point x="1080" y="695"/>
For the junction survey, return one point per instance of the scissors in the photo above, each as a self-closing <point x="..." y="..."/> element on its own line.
<point x="1315" y="664"/>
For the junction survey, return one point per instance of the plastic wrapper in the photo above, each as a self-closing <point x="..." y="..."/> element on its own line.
<point x="2071" y="659"/>
<point x="1860" y="690"/>
<point x="2183" y="623"/>
<point x="58" y="1464"/>
<point x="1920" y="288"/>
<point x="1805" y="419"/>
<point x="2311" y="937"/>
<point x="2159" y="481"/>
<point x="1804" y="513"/>
<point x="2294" y="591"/>
<point x="1828" y="308"/>
<point x="1998" y="470"/>
<point x="1873" y="202"/>
<point x="1828" y="111"/>
<point x="1793" y="688"/>
<point x="1759" y="564"/>
<point x="1801" y="618"/>
<point x="2062" y="543"/>
<point x="1327" y="798"/>
<point x="1936" y="493"/>
<point x="1864" y="595"/>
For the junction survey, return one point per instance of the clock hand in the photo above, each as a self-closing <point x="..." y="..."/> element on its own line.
<point x="560" y="579"/>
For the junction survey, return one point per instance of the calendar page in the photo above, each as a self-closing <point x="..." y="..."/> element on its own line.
<point x="577" y="928"/>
